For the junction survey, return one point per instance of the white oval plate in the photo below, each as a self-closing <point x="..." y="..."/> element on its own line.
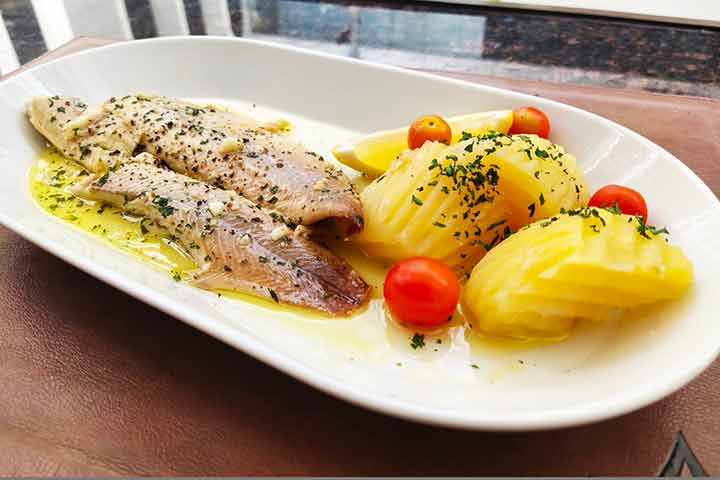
<point x="599" y="373"/>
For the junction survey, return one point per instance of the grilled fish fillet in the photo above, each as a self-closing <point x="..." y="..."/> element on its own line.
<point x="238" y="245"/>
<point x="94" y="137"/>
<point x="207" y="143"/>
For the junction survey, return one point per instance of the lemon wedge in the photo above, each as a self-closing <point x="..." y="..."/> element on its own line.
<point x="373" y="154"/>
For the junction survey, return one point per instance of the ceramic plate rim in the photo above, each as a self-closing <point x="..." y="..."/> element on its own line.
<point x="548" y="419"/>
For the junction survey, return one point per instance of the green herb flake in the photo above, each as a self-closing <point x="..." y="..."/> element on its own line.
<point x="541" y="153"/>
<point x="643" y="228"/>
<point x="102" y="180"/>
<point x="417" y="341"/>
<point x="614" y="209"/>
<point x="163" y="206"/>
<point x="496" y="224"/>
<point x="416" y="200"/>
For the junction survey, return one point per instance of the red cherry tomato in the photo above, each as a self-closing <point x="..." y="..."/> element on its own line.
<point x="530" y="120"/>
<point x="629" y="201"/>
<point x="431" y="128"/>
<point x="421" y="291"/>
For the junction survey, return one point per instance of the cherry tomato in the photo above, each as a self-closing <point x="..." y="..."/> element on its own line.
<point x="629" y="201"/>
<point x="530" y="120"/>
<point x="431" y="128"/>
<point x="421" y="291"/>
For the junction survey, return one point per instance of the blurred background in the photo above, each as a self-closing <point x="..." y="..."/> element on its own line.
<point x="657" y="45"/>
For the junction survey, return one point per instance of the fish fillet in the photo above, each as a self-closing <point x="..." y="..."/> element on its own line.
<point x="238" y="245"/>
<point x="95" y="138"/>
<point x="208" y="143"/>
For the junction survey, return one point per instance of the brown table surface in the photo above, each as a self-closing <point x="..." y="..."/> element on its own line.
<point x="94" y="382"/>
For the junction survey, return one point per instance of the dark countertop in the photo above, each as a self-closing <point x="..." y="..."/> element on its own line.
<point x="495" y="41"/>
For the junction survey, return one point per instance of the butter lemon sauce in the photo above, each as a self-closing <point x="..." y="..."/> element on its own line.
<point x="370" y="332"/>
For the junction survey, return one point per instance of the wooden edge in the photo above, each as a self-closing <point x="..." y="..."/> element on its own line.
<point x="530" y="85"/>
<point x="75" y="45"/>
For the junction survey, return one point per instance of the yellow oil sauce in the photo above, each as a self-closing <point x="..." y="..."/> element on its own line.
<point x="370" y="331"/>
<point x="50" y="179"/>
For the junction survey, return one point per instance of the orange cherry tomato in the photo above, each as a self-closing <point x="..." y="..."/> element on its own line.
<point x="530" y="120"/>
<point x="629" y="201"/>
<point x="421" y="291"/>
<point x="431" y="128"/>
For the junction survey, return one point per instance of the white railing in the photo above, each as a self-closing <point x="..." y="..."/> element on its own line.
<point x="62" y="20"/>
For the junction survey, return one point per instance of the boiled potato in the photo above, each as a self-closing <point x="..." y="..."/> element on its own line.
<point x="434" y="201"/>
<point x="453" y="203"/>
<point x="587" y="263"/>
<point x="537" y="177"/>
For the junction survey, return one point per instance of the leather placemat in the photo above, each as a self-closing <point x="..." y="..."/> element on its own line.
<point x="95" y="382"/>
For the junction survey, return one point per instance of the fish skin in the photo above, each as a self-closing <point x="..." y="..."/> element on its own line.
<point x="238" y="245"/>
<point x="223" y="148"/>
<point x="95" y="138"/>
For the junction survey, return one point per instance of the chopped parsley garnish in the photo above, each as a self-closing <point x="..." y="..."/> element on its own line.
<point x="542" y="199"/>
<point x="614" y="209"/>
<point x="416" y="200"/>
<point x="643" y="228"/>
<point x="417" y="341"/>
<point x="176" y="275"/>
<point x="274" y="295"/>
<point x="541" y="153"/>
<point x="440" y="225"/>
<point x="163" y="206"/>
<point x="103" y="180"/>
<point x="496" y="224"/>
<point x="587" y="212"/>
<point x="465" y="136"/>
<point x="474" y="365"/>
<point x="492" y="176"/>
<point x="531" y="209"/>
